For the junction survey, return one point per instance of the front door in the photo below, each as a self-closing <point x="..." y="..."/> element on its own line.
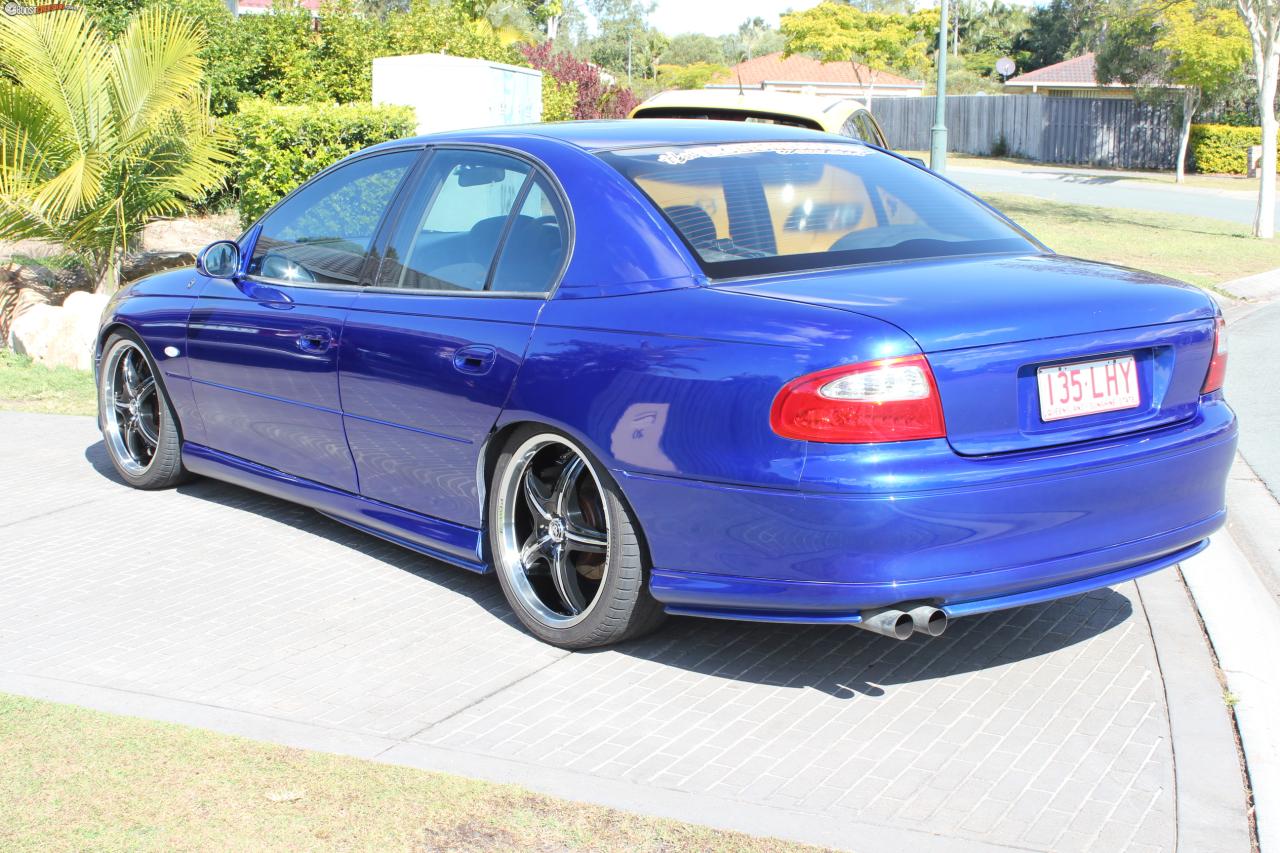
<point x="264" y="347"/>
<point x="430" y="353"/>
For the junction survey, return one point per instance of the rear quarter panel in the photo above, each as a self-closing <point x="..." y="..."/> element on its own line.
<point x="679" y="383"/>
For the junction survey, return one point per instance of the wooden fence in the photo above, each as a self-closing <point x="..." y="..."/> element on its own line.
<point x="1095" y="131"/>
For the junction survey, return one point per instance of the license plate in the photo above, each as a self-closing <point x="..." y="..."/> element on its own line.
<point x="1087" y="388"/>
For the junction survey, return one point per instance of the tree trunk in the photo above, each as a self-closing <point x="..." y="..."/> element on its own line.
<point x="1264" y="223"/>
<point x="1190" y="101"/>
<point x="553" y="27"/>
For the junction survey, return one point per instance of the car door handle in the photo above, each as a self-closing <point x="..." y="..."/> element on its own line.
<point x="477" y="359"/>
<point x="314" y="341"/>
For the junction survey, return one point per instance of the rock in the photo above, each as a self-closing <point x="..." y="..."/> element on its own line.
<point x="59" y="337"/>
<point x="146" y="263"/>
<point x="14" y="300"/>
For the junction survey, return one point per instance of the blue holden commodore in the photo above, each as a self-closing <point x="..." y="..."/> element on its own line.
<point x="714" y="369"/>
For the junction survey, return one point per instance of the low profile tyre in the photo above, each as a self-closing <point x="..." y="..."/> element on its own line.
<point x="565" y="547"/>
<point x="138" y="425"/>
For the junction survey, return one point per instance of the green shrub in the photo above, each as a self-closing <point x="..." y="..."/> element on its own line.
<point x="1222" y="148"/>
<point x="279" y="147"/>
<point x="558" y="99"/>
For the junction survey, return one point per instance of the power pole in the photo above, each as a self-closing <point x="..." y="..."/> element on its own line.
<point x="938" y="133"/>
<point x="628" y="60"/>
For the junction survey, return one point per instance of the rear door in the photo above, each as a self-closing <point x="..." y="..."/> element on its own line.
<point x="264" y="348"/>
<point x="430" y="353"/>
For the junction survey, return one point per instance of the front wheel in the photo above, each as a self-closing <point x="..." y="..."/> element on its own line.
<point x="138" y="424"/>
<point x="565" y="547"/>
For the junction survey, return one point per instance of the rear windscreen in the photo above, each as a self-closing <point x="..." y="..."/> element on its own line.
<point x="760" y="207"/>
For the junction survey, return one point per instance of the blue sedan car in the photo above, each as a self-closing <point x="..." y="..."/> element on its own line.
<point x="715" y="369"/>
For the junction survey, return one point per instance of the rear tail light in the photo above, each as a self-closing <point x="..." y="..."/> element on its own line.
<point x="1218" y="364"/>
<point x="891" y="399"/>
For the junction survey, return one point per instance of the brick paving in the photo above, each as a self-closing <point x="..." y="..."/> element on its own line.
<point x="1041" y="728"/>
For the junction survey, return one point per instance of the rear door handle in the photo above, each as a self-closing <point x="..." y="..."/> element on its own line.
<point x="314" y="341"/>
<point x="477" y="359"/>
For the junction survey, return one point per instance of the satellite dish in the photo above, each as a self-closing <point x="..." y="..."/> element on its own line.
<point x="1005" y="66"/>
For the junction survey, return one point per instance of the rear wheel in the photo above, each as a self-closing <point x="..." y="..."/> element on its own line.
<point x="565" y="546"/>
<point x="138" y="425"/>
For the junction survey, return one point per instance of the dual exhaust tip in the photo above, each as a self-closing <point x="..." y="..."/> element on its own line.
<point x="902" y="621"/>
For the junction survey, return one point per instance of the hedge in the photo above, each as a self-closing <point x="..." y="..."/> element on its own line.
<point x="1222" y="148"/>
<point x="278" y="147"/>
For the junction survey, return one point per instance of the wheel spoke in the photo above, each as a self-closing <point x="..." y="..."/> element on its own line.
<point x="129" y="372"/>
<point x="148" y="433"/>
<point x="584" y="539"/>
<point x="534" y="549"/>
<point x="565" y="576"/>
<point x="539" y="503"/>
<point x="121" y="404"/>
<point x="146" y="387"/>
<point x="564" y="485"/>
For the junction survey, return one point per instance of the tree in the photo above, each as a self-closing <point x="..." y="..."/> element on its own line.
<point x="625" y="41"/>
<point x="98" y="137"/>
<point x="1060" y="30"/>
<point x="595" y="97"/>
<point x="753" y="38"/>
<point x="1262" y="17"/>
<point x="1200" y="47"/>
<point x="874" y="41"/>
<point x="689" y="48"/>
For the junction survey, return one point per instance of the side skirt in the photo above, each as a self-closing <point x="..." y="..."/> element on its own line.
<point x="452" y="543"/>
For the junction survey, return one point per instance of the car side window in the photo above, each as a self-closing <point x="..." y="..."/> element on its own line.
<point x="448" y="236"/>
<point x="322" y="233"/>
<point x="535" y="245"/>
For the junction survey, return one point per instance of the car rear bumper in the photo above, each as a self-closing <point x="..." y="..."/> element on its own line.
<point x="1031" y="529"/>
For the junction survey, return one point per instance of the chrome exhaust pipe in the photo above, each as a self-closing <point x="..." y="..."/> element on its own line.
<point x="888" y="622"/>
<point x="928" y="620"/>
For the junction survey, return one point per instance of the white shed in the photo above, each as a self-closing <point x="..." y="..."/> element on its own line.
<point x="451" y="93"/>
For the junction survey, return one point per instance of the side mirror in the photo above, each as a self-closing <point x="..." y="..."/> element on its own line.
<point x="220" y="259"/>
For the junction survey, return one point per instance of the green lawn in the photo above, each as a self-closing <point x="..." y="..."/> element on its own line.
<point x="31" y="388"/>
<point x="75" y="779"/>
<point x="1199" y="250"/>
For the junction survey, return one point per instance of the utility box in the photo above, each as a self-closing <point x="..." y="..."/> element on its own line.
<point x="452" y="93"/>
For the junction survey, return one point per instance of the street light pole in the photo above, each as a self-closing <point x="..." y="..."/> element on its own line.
<point x="938" y="133"/>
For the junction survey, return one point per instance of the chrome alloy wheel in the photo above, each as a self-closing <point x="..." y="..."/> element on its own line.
<point x="132" y="411"/>
<point x="553" y="536"/>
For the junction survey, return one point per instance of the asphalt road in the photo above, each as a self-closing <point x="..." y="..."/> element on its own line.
<point x="1251" y="389"/>
<point x="1075" y="186"/>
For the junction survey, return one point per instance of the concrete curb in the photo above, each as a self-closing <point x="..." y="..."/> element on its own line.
<point x="1209" y="794"/>
<point x="805" y="827"/>
<point x="1233" y="583"/>
<point x="1262" y="287"/>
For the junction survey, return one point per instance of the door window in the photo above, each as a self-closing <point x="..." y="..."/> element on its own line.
<point x="461" y="234"/>
<point x="322" y="232"/>
<point x="535" y="245"/>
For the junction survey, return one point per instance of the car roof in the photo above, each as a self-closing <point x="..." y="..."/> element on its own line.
<point x="611" y="134"/>
<point x="828" y="112"/>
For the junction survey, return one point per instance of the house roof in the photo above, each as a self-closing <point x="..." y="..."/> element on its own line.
<point x="1079" y="71"/>
<point x="798" y="68"/>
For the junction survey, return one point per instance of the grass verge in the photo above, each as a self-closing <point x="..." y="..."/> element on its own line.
<point x="1195" y="249"/>
<point x="76" y="779"/>
<point x="30" y="387"/>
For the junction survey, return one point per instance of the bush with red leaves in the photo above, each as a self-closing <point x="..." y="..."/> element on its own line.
<point x="596" y="98"/>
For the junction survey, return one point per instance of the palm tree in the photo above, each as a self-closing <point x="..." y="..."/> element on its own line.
<point x="98" y="137"/>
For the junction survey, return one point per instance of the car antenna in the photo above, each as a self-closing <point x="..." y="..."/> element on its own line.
<point x="740" y="92"/>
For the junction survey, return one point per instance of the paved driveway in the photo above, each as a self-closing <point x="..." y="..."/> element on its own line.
<point x="1042" y="728"/>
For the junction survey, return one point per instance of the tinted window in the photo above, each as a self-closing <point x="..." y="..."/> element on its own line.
<point x="749" y="208"/>
<point x="323" y="231"/>
<point x="449" y="234"/>
<point x="535" y="245"/>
